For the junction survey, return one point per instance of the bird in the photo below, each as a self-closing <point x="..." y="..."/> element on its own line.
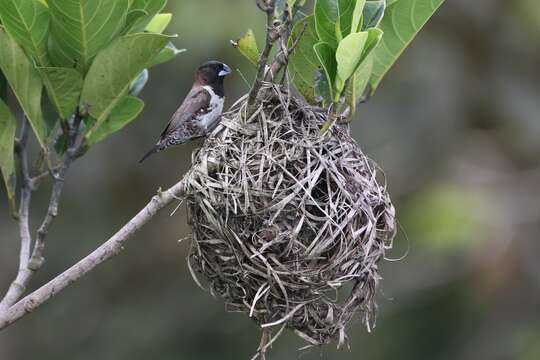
<point x="200" y="111"/>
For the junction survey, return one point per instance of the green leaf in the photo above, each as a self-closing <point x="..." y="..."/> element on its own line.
<point x="141" y="14"/>
<point x="357" y="18"/>
<point x="166" y="54"/>
<point x="348" y="57"/>
<point x="358" y="83"/>
<point x="127" y="110"/>
<point x="303" y="64"/>
<point x="25" y="82"/>
<point x="402" y="21"/>
<point x="159" y="23"/>
<point x="327" y="57"/>
<point x="373" y="13"/>
<point x="374" y="38"/>
<point x="109" y="80"/>
<point x="64" y="87"/>
<point x="247" y="45"/>
<point x="333" y="19"/>
<point x="323" y="89"/>
<point x="27" y="21"/>
<point x="81" y="28"/>
<point x="50" y="115"/>
<point x="8" y="125"/>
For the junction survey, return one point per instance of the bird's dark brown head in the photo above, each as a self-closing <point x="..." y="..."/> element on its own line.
<point x="212" y="73"/>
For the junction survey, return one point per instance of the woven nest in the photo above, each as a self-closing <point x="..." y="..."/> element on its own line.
<point x="288" y="225"/>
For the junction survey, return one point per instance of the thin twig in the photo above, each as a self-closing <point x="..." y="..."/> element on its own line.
<point x="281" y="60"/>
<point x="271" y="36"/>
<point x="107" y="250"/>
<point x="37" y="259"/>
<point x="18" y="286"/>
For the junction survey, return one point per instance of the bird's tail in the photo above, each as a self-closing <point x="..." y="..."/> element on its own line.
<point x="152" y="151"/>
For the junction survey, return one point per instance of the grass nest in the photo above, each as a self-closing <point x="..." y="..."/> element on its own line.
<point x="288" y="225"/>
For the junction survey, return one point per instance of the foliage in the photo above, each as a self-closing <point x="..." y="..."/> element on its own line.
<point x="346" y="47"/>
<point x="247" y="45"/>
<point x="402" y="22"/>
<point x="91" y="57"/>
<point x="7" y="141"/>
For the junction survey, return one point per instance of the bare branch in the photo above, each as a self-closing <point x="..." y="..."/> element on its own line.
<point x="109" y="249"/>
<point x="278" y="28"/>
<point x="31" y="261"/>
<point x="18" y="286"/>
<point x="281" y="60"/>
<point x="37" y="259"/>
<point x="272" y="34"/>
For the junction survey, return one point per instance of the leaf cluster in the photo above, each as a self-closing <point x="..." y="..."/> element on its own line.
<point x="347" y="46"/>
<point x="76" y="58"/>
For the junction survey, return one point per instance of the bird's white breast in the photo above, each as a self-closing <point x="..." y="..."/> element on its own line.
<point x="215" y="108"/>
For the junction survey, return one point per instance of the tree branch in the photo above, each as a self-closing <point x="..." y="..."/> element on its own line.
<point x="107" y="250"/>
<point x="272" y="34"/>
<point x="281" y="60"/>
<point x="37" y="259"/>
<point x="31" y="261"/>
<point x="18" y="286"/>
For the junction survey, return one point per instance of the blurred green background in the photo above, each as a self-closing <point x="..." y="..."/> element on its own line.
<point x="456" y="127"/>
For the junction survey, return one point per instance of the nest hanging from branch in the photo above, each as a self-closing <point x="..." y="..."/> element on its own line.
<point x="288" y="225"/>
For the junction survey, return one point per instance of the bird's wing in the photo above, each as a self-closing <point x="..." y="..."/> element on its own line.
<point x="195" y="104"/>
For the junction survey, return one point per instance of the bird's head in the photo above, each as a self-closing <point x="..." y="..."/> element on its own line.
<point x="212" y="72"/>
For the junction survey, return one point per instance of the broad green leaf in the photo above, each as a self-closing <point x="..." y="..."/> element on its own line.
<point x="166" y="54"/>
<point x="402" y="21"/>
<point x="81" y="28"/>
<point x="159" y="23"/>
<point x="8" y="125"/>
<point x="358" y="83"/>
<point x="142" y="12"/>
<point x="333" y="19"/>
<point x="348" y="57"/>
<point x="25" y="82"/>
<point x="327" y="57"/>
<point x="373" y="13"/>
<point x="374" y="38"/>
<point x="126" y="111"/>
<point x="64" y="87"/>
<point x="350" y="50"/>
<point x="357" y="18"/>
<point x="27" y="21"/>
<point x="303" y="64"/>
<point x="247" y="45"/>
<point x="323" y="89"/>
<point x="50" y="115"/>
<point x="108" y="80"/>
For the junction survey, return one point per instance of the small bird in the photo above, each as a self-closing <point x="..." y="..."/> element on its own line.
<point x="201" y="110"/>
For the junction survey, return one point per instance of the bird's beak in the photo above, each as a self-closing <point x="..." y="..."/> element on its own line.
<point x="226" y="71"/>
